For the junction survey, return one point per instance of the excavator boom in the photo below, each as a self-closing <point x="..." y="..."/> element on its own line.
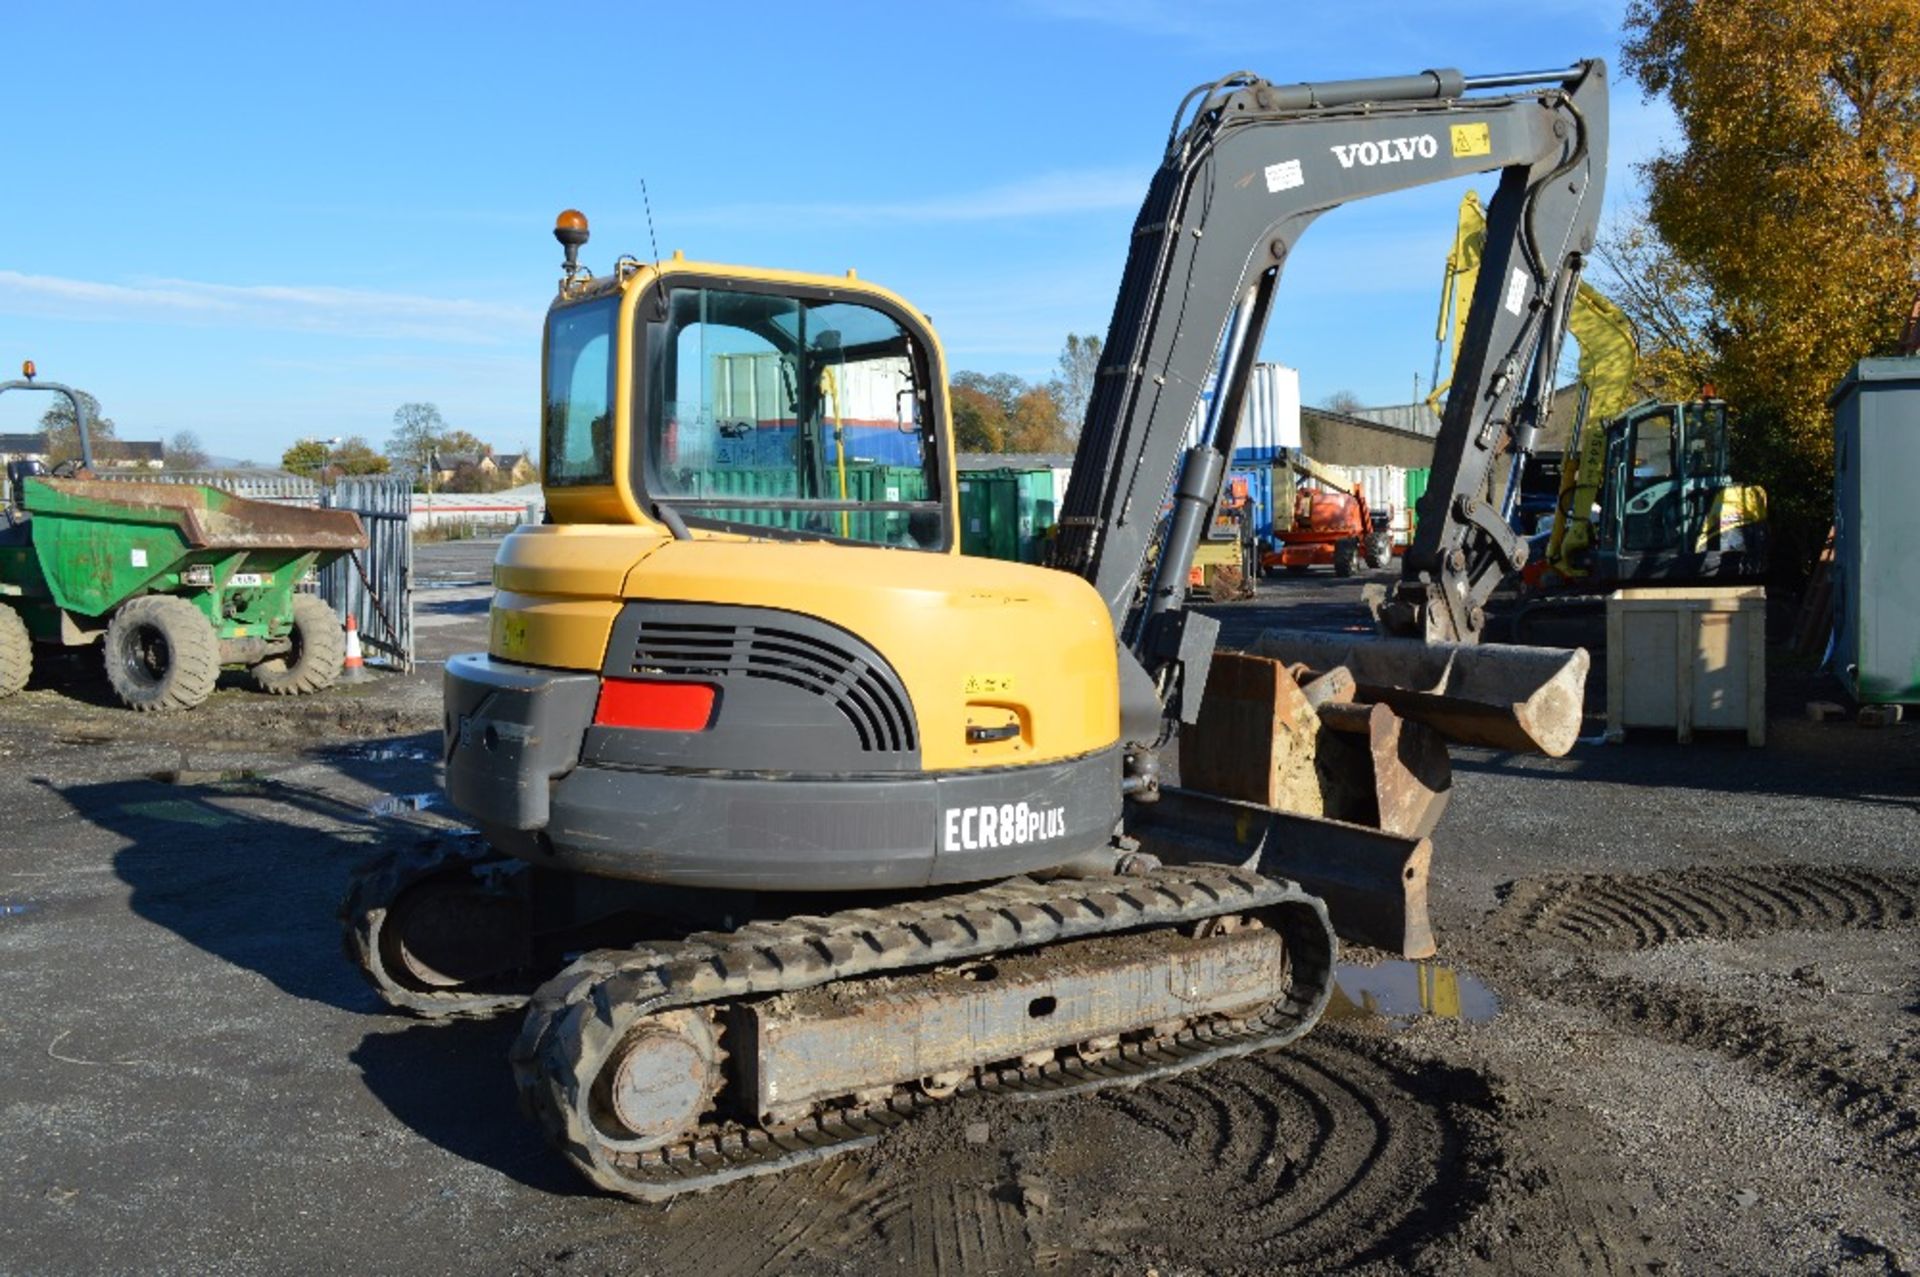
<point x="1244" y="176"/>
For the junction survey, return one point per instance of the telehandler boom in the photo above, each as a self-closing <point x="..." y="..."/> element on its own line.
<point x="858" y="823"/>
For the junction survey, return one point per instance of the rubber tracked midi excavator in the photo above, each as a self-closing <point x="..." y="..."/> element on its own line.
<point x="820" y="822"/>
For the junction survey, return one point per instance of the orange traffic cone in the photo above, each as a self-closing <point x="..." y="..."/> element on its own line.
<point x="355" y="666"/>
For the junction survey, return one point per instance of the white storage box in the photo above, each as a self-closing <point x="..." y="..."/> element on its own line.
<point x="1688" y="658"/>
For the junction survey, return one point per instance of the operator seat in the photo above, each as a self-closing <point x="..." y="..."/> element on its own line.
<point x="18" y="472"/>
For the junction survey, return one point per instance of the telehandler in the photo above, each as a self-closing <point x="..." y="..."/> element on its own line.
<point x="820" y="822"/>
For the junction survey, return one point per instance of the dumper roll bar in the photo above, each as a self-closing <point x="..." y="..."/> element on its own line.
<point x="73" y="397"/>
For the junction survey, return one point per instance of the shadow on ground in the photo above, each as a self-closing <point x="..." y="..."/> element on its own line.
<point x="252" y="870"/>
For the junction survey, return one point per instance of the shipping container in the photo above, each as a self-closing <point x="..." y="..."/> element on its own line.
<point x="1270" y="417"/>
<point x="1006" y="514"/>
<point x="864" y="483"/>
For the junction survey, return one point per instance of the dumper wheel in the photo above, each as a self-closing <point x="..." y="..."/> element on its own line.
<point x="16" y="652"/>
<point x="1379" y="550"/>
<point x="319" y="650"/>
<point x="1343" y="555"/>
<point x="162" y="654"/>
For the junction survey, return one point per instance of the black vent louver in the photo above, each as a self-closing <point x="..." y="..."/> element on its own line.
<point x="870" y="699"/>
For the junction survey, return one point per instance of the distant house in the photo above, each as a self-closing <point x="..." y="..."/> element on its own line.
<point x="515" y="468"/>
<point x="129" y="454"/>
<point x="33" y="447"/>
<point x="445" y="465"/>
<point x="503" y="470"/>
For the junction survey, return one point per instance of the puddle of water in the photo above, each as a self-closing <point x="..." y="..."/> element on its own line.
<point x="180" y="811"/>
<point x="1398" y="990"/>
<point x="394" y="804"/>
<point x="11" y="909"/>
<point x="390" y="754"/>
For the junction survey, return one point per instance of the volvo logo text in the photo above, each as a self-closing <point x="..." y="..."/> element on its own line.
<point x="1391" y="151"/>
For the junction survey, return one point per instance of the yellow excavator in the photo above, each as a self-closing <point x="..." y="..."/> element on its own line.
<point x="794" y="821"/>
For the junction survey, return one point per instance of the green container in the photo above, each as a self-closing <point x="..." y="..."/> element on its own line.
<point x="1416" y="488"/>
<point x="1005" y="513"/>
<point x="866" y="481"/>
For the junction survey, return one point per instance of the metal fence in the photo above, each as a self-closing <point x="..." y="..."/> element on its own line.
<point x="280" y="489"/>
<point x="375" y="585"/>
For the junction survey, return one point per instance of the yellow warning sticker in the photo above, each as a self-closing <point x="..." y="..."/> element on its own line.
<point x="1471" y="139"/>
<point x="509" y="634"/>
<point x="988" y="684"/>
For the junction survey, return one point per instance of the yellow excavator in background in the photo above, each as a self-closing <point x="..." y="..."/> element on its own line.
<point x="794" y="820"/>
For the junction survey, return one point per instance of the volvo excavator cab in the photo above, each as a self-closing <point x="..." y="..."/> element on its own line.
<point x="819" y="821"/>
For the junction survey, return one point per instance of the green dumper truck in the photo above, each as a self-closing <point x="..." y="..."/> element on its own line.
<point x="176" y="580"/>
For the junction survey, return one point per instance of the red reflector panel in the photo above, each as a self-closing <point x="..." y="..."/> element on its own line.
<point x="662" y="707"/>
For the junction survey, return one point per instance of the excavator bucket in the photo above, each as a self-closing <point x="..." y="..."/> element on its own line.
<point x="1523" y="699"/>
<point x="1298" y="779"/>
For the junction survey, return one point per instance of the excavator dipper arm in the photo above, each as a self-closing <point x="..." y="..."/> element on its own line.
<point x="1243" y="178"/>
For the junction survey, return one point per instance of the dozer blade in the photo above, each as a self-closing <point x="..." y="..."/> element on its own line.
<point x="1374" y="882"/>
<point x="1525" y="699"/>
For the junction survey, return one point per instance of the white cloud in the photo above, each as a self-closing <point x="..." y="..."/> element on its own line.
<point x="285" y="307"/>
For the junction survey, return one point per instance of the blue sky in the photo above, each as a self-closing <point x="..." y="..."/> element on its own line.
<point x="261" y="222"/>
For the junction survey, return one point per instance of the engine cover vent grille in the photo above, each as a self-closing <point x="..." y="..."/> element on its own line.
<point x="810" y="656"/>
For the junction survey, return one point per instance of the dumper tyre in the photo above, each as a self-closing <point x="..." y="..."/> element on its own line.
<point x="161" y="654"/>
<point x="16" y="652"/>
<point x="319" y="651"/>
<point x="1379" y="550"/>
<point x="1344" y="554"/>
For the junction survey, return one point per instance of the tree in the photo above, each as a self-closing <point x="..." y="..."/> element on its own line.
<point x="417" y="433"/>
<point x="979" y="422"/>
<point x="1072" y="386"/>
<point x="64" y="434"/>
<point x="1794" y="199"/>
<point x="305" y="457"/>
<point x="185" y="453"/>
<point x="1342" y="401"/>
<point x="1036" y="423"/>
<point x="354" y="455"/>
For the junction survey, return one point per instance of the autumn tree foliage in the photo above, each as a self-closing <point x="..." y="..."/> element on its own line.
<point x="1793" y="203"/>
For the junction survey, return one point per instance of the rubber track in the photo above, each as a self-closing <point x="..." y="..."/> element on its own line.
<point x="1639" y="912"/>
<point x="583" y="1013"/>
<point x="375" y="887"/>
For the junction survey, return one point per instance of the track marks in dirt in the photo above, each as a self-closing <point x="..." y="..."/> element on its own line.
<point x="1597" y="911"/>
<point x="1327" y="1155"/>
<point x="1877" y="1098"/>
<point x="771" y="1224"/>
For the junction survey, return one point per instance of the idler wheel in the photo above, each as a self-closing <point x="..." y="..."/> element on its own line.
<point x="661" y="1081"/>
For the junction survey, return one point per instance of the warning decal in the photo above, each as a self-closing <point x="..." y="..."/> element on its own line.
<point x="1471" y="139"/>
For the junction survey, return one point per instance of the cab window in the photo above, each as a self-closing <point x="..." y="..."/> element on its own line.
<point x="577" y="415"/>
<point x="801" y="415"/>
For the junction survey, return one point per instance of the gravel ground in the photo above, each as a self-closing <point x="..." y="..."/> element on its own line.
<point x="1675" y="1028"/>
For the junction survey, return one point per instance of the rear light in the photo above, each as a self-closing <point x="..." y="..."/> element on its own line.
<point x="655" y="706"/>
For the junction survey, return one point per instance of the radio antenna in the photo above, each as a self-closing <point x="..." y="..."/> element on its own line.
<point x="651" y="238"/>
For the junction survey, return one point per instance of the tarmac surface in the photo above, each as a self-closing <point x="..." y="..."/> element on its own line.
<point x="1675" y="1027"/>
